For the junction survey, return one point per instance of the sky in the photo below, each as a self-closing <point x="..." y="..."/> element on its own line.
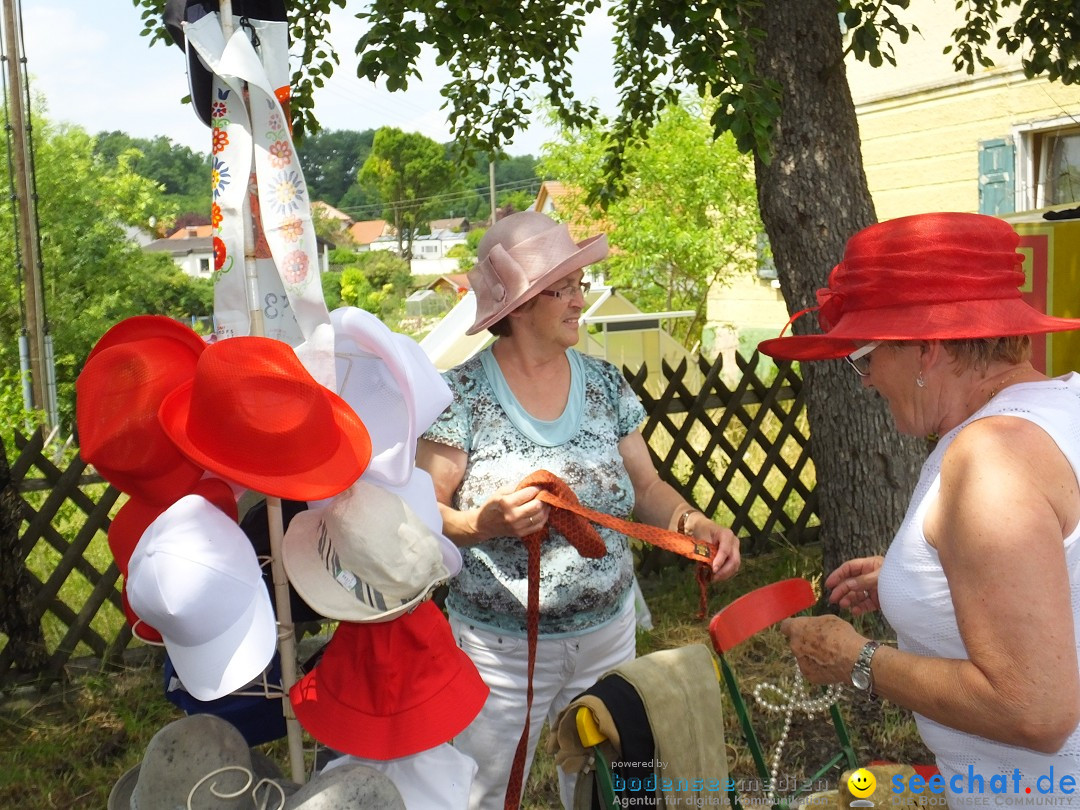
<point x="94" y="69"/>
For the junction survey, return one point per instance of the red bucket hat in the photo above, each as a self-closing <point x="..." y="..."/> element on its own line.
<point x="385" y="690"/>
<point x="939" y="276"/>
<point x="254" y="415"/>
<point x="127" y="375"/>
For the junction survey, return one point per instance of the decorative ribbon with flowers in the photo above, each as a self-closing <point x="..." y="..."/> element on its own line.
<point x="257" y="179"/>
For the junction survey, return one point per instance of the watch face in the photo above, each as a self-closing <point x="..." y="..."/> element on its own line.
<point x="860" y="678"/>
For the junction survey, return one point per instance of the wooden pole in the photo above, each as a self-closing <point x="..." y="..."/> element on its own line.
<point x="275" y="523"/>
<point x="34" y="294"/>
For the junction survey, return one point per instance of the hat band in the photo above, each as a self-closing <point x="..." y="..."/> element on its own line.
<point x="363" y="591"/>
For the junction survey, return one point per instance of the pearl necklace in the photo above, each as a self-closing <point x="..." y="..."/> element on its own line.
<point x="790" y="702"/>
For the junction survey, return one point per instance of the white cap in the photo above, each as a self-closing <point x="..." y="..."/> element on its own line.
<point x="195" y="578"/>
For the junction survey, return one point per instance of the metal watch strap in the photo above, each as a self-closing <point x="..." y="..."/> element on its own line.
<point x="862" y="677"/>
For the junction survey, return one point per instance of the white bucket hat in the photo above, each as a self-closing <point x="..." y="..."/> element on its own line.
<point x="519" y="256"/>
<point x="195" y="578"/>
<point x="392" y="386"/>
<point x="367" y="555"/>
<point x="183" y="755"/>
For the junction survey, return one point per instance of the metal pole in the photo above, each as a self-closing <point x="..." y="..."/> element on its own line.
<point x="27" y="227"/>
<point x="491" y="186"/>
<point x="275" y="523"/>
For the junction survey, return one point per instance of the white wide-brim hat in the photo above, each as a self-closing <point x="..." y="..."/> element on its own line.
<point x="194" y="577"/>
<point x="393" y="387"/>
<point x="367" y="555"/>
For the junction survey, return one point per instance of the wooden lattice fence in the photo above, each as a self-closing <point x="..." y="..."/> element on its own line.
<point x="741" y="454"/>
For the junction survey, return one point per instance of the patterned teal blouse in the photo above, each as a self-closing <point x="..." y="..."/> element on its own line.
<point x="503" y="445"/>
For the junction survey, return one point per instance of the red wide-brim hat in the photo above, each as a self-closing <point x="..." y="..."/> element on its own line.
<point x="384" y="690"/>
<point x="128" y="373"/>
<point x="255" y="416"/>
<point x="941" y="276"/>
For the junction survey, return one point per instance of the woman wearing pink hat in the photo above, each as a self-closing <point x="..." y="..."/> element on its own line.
<point x="982" y="580"/>
<point x="531" y="402"/>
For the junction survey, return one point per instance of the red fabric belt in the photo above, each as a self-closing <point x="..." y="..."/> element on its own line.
<point x="574" y="522"/>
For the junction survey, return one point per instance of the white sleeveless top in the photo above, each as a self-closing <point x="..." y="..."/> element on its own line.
<point x="914" y="596"/>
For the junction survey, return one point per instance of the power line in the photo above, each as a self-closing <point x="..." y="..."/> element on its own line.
<point x="460" y="196"/>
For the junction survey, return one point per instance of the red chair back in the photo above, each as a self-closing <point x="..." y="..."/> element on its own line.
<point x="753" y="612"/>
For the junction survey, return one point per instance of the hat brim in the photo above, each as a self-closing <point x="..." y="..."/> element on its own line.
<point x="309" y="576"/>
<point x="412" y="729"/>
<point x="223" y="664"/>
<point x="366" y="350"/>
<point x="327" y="478"/>
<point x="589" y="251"/>
<point x="1003" y="317"/>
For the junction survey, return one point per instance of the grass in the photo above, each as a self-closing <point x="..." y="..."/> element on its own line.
<point x="65" y="749"/>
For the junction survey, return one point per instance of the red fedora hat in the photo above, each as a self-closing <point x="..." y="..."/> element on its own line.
<point x="127" y="375"/>
<point x="941" y="276"/>
<point x="384" y="690"/>
<point x="254" y="415"/>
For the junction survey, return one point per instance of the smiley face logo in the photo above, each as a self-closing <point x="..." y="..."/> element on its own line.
<point x="861" y="783"/>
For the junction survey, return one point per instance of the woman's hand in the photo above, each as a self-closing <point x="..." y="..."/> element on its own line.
<point x="511" y="513"/>
<point x="825" y="647"/>
<point x="854" y="585"/>
<point x="725" y="563"/>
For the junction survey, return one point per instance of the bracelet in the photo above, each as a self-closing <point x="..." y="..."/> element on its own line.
<point x="681" y="527"/>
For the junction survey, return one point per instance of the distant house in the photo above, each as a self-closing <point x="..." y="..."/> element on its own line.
<point x="365" y="232"/>
<point x="327" y="211"/>
<point x="191" y="248"/>
<point x="458" y="224"/>
<point x="429" y="251"/>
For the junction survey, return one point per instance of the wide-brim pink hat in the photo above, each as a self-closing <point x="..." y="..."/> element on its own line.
<point x="940" y="276"/>
<point x="519" y="256"/>
<point x="390" y="689"/>
<point x="255" y="416"/>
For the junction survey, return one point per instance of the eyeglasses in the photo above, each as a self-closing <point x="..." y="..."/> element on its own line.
<point x="860" y="358"/>
<point x="569" y="291"/>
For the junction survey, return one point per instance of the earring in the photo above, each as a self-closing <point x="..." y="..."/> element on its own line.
<point x="919" y="381"/>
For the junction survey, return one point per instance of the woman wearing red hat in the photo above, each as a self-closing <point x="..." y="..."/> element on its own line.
<point x="526" y="403"/>
<point x="982" y="580"/>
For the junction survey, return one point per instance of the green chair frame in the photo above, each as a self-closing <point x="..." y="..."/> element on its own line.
<point x="746" y="617"/>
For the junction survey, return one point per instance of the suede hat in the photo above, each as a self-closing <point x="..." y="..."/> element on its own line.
<point x="939" y="276"/>
<point x="519" y="256"/>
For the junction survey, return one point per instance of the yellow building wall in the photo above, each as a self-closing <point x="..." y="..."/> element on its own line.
<point x="921" y="122"/>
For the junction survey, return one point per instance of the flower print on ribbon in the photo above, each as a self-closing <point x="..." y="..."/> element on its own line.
<point x="294" y="270"/>
<point x="215" y="215"/>
<point x="221" y="140"/>
<point x="280" y="154"/>
<point x="286" y="191"/>
<point x="292" y="229"/>
<point x="223" y="262"/>
<point x="219" y="177"/>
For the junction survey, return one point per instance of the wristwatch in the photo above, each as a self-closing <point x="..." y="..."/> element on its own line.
<point x="861" y="676"/>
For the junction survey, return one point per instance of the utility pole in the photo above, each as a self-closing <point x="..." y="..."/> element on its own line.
<point x="26" y="223"/>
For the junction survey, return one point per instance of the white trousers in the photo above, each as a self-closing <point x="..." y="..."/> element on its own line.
<point x="565" y="667"/>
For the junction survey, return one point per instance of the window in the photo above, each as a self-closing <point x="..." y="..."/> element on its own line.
<point x="1048" y="164"/>
<point x="204" y="267"/>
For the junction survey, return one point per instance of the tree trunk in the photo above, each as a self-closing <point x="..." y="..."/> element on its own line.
<point x="813" y="196"/>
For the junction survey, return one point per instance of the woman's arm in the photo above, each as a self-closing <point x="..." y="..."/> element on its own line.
<point x="507" y="513"/>
<point x="659" y="504"/>
<point x="1008" y="498"/>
